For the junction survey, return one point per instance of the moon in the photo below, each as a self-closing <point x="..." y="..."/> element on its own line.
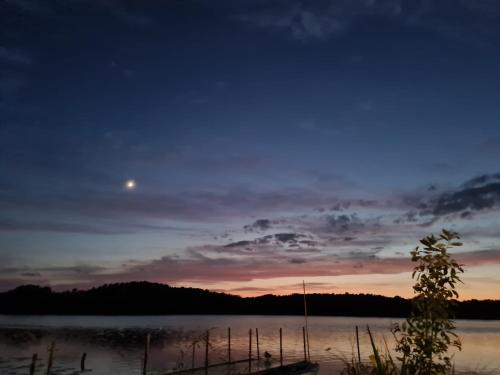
<point x="130" y="184"/>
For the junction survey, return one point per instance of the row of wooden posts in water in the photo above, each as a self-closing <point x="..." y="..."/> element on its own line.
<point x="207" y="364"/>
<point x="50" y="361"/>
<point x="230" y="360"/>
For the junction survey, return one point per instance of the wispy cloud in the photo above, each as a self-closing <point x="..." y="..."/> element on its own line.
<point x="318" y="20"/>
<point x="225" y="269"/>
<point x="324" y="19"/>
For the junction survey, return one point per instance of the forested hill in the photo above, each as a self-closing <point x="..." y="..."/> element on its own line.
<point x="152" y="298"/>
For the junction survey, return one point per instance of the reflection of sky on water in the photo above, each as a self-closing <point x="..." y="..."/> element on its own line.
<point x="115" y="344"/>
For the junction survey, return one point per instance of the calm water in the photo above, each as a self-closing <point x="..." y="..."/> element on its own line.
<point x="115" y="345"/>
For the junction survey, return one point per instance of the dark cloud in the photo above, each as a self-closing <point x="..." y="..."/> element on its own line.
<point x="477" y="194"/>
<point x="408" y="217"/>
<point x="258" y="225"/>
<point x="31" y="274"/>
<point x="277" y="240"/>
<point x="340" y="222"/>
<point x="480" y="181"/>
<point x="297" y="260"/>
<point x="348" y="223"/>
<point x="312" y="250"/>
<point x="240" y="244"/>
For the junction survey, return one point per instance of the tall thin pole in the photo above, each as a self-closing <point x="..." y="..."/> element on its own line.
<point x="146" y="355"/>
<point x="304" y="340"/>
<point x="82" y="361"/>
<point x="305" y="317"/>
<point x="51" y="358"/>
<point x="281" y="348"/>
<point x="33" y="364"/>
<point x="194" y="352"/>
<point x="229" y="344"/>
<point x="357" y="343"/>
<point x="257" y="339"/>
<point x="250" y="350"/>
<point x="207" y="340"/>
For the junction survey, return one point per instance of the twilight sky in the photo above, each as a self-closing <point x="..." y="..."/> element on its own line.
<point x="269" y="141"/>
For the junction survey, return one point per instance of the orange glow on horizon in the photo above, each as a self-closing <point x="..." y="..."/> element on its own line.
<point x="478" y="282"/>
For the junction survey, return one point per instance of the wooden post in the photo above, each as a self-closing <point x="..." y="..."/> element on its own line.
<point x="207" y="340"/>
<point x="192" y="357"/>
<point x="229" y="344"/>
<point x="305" y="317"/>
<point x="281" y="348"/>
<point x="250" y="350"/>
<point x="146" y="355"/>
<point x="51" y="357"/>
<point x="257" y="340"/>
<point x="304" y="340"/>
<point x="34" y="358"/>
<point x="82" y="362"/>
<point x="357" y="343"/>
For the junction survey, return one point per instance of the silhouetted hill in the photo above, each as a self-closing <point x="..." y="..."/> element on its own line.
<point x="144" y="298"/>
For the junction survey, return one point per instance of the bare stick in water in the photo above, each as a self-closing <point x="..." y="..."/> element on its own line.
<point x="146" y="355"/>
<point x="281" y="347"/>
<point x="51" y="357"/>
<point x="207" y="340"/>
<point x="229" y="344"/>
<point x="192" y="357"/>
<point x="250" y="350"/>
<point x="33" y="363"/>
<point x="257" y="339"/>
<point x="305" y="317"/>
<point x="357" y="343"/>
<point x="82" y="361"/>
<point x="304" y="340"/>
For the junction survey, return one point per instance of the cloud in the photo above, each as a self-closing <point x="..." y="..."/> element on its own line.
<point x="216" y="270"/>
<point x="297" y="260"/>
<point x="105" y="228"/>
<point x="321" y="20"/>
<point x="258" y="225"/>
<point x="315" y="20"/>
<point x="198" y="206"/>
<point x="477" y="194"/>
<point x="8" y="225"/>
<point x="276" y="241"/>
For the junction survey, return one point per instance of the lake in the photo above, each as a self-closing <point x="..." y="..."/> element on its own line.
<point x="115" y="344"/>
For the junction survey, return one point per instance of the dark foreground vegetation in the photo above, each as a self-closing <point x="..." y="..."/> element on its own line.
<point x="152" y="298"/>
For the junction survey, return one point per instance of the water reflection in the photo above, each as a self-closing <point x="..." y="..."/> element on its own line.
<point x="114" y="345"/>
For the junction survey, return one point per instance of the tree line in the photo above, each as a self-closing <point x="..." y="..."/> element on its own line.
<point x="138" y="298"/>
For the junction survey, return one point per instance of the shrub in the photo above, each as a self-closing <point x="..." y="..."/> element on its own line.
<point x="424" y="339"/>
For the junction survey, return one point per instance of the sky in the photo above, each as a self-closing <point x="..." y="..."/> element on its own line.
<point x="244" y="146"/>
